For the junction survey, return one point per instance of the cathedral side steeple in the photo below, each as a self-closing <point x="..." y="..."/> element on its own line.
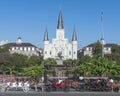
<point x="46" y="35"/>
<point x="60" y="21"/>
<point x="74" y="37"/>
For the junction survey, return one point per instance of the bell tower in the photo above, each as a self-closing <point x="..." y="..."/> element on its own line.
<point x="60" y="27"/>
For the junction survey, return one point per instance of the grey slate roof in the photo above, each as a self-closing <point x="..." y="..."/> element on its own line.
<point x="21" y="45"/>
<point x="91" y="45"/>
<point x="106" y="45"/>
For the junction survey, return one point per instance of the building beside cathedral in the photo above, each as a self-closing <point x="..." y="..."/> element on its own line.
<point x="60" y="47"/>
<point x="27" y="49"/>
<point x="88" y="50"/>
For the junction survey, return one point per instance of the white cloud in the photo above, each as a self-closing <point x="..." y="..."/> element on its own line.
<point x="3" y="42"/>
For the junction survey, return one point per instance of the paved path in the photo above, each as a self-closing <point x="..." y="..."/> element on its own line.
<point x="20" y="93"/>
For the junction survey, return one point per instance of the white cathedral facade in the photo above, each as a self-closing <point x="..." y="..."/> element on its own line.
<point x="60" y="47"/>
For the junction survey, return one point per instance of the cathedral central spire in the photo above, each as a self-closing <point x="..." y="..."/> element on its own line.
<point x="60" y="21"/>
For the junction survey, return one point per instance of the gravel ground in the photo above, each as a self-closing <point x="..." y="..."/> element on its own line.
<point x="33" y="93"/>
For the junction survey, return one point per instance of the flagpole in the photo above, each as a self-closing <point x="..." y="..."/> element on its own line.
<point x="102" y="38"/>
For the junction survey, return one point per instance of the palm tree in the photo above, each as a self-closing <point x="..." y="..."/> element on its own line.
<point x="111" y="68"/>
<point x="105" y="67"/>
<point x="10" y="70"/>
<point x="99" y="66"/>
<point x="85" y="69"/>
<point x="34" y="71"/>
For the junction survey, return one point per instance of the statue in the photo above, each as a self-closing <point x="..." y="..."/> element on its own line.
<point x="59" y="58"/>
<point x="60" y="55"/>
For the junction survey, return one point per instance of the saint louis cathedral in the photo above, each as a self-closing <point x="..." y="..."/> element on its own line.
<point x="60" y="47"/>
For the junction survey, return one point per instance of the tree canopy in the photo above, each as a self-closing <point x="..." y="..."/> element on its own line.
<point x="49" y="62"/>
<point x="99" y="66"/>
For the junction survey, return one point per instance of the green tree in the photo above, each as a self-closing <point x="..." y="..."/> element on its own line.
<point x="83" y="60"/>
<point x="34" y="71"/>
<point x="6" y="60"/>
<point x="97" y="49"/>
<point x="105" y="67"/>
<point x="49" y="62"/>
<point x="85" y="69"/>
<point x="35" y="60"/>
<point x="115" y="48"/>
<point x="20" y="60"/>
<point x="115" y="53"/>
<point x="10" y="70"/>
<point x="5" y="48"/>
<point x="68" y="62"/>
<point x="99" y="66"/>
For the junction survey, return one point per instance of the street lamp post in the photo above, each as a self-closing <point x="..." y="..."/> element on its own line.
<point x="54" y="72"/>
<point x="67" y="74"/>
<point x="102" y="39"/>
<point x="75" y="74"/>
<point x="102" y="43"/>
<point x="45" y="74"/>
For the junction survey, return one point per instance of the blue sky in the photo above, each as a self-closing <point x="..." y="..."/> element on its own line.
<point x="29" y="18"/>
